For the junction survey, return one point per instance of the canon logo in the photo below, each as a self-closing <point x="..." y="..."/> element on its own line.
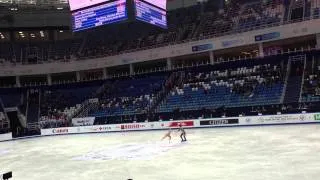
<point x="60" y="131"/>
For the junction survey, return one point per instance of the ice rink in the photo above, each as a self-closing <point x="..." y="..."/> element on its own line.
<point x="250" y="153"/>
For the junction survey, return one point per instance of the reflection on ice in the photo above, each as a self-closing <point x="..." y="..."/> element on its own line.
<point x="131" y="151"/>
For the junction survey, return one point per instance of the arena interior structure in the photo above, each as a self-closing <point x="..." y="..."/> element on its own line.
<point x="218" y="58"/>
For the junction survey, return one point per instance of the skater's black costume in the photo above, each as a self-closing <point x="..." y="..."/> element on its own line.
<point x="183" y="134"/>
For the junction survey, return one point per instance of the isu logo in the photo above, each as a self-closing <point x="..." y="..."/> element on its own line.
<point x="132" y="126"/>
<point x="60" y="131"/>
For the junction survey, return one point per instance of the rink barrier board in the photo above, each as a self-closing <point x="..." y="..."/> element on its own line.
<point x="305" y="118"/>
<point x="6" y="137"/>
<point x="266" y="120"/>
<point x="137" y="130"/>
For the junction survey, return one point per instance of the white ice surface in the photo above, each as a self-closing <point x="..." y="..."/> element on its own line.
<point x="251" y="153"/>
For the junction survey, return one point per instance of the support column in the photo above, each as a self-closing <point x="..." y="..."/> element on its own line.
<point x="18" y="83"/>
<point x="49" y="79"/>
<point x="131" y="69"/>
<point x="169" y="64"/>
<point x="104" y="71"/>
<point x="78" y="76"/>
<point x="211" y="55"/>
<point x="318" y="40"/>
<point x="261" y="53"/>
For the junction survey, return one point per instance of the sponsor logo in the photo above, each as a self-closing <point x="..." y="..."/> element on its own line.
<point x="219" y="122"/>
<point x="60" y="131"/>
<point x="132" y="126"/>
<point x="202" y="47"/>
<point x="101" y="128"/>
<point x="232" y="42"/>
<point x="182" y="123"/>
<point x="317" y="117"/>
<point x="302" y="117"/>
<point x="268" y="36"/>
<point x="282" y="118"/>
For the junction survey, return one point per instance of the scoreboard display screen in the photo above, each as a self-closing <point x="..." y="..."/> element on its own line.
<point x="150" y="14"/>
<point x="79" y="4"/>
<point x="98" y="14"/>
<point x="159" y="3"/>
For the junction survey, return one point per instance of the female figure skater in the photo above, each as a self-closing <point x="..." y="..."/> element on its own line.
<point x="183" y="133"/>
<point x="168" y="135"/>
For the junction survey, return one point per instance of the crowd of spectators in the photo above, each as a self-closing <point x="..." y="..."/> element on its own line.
<point x="241" y="86"/>
<point x="58" y="105"/>
<point x="130" y="96"/>
<point x="311" y="86"/>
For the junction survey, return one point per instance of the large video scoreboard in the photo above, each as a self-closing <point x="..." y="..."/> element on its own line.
<point x="97" y="13"/>
<point x="87" y="14"/>
<point x="150" y="13"/>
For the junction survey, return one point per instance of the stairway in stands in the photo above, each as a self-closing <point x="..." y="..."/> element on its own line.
<point x="33" y="105"/>
<point x="294" y="82"/>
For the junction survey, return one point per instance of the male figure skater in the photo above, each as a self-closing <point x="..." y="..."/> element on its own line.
<point x="183" y="133"/>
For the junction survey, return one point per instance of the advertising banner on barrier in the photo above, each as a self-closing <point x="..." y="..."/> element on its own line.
<point x="219" y="122"/>
<point x="134" y="126"/>
<point x="102" y="128"/>
<point x="317" y="117"/>
<point x="279" y="119"/>
<point x="6" y="136"/>
<point x="57" y="131"/>
<point x="80" y="129"/>
<point x="87" y="121"/>
<point x="212" y="122"/>
<point x="176" y="124"/>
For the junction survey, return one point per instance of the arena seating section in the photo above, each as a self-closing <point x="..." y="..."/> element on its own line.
<point x="311" y="84"/>
<point x="242" y="86"/>
<point x="130" y="96"/>
<point x="161" y="95"/>
<point x="232" y="84"/>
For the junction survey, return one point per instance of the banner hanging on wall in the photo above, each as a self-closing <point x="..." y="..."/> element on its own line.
<point x="87" y="121"/>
